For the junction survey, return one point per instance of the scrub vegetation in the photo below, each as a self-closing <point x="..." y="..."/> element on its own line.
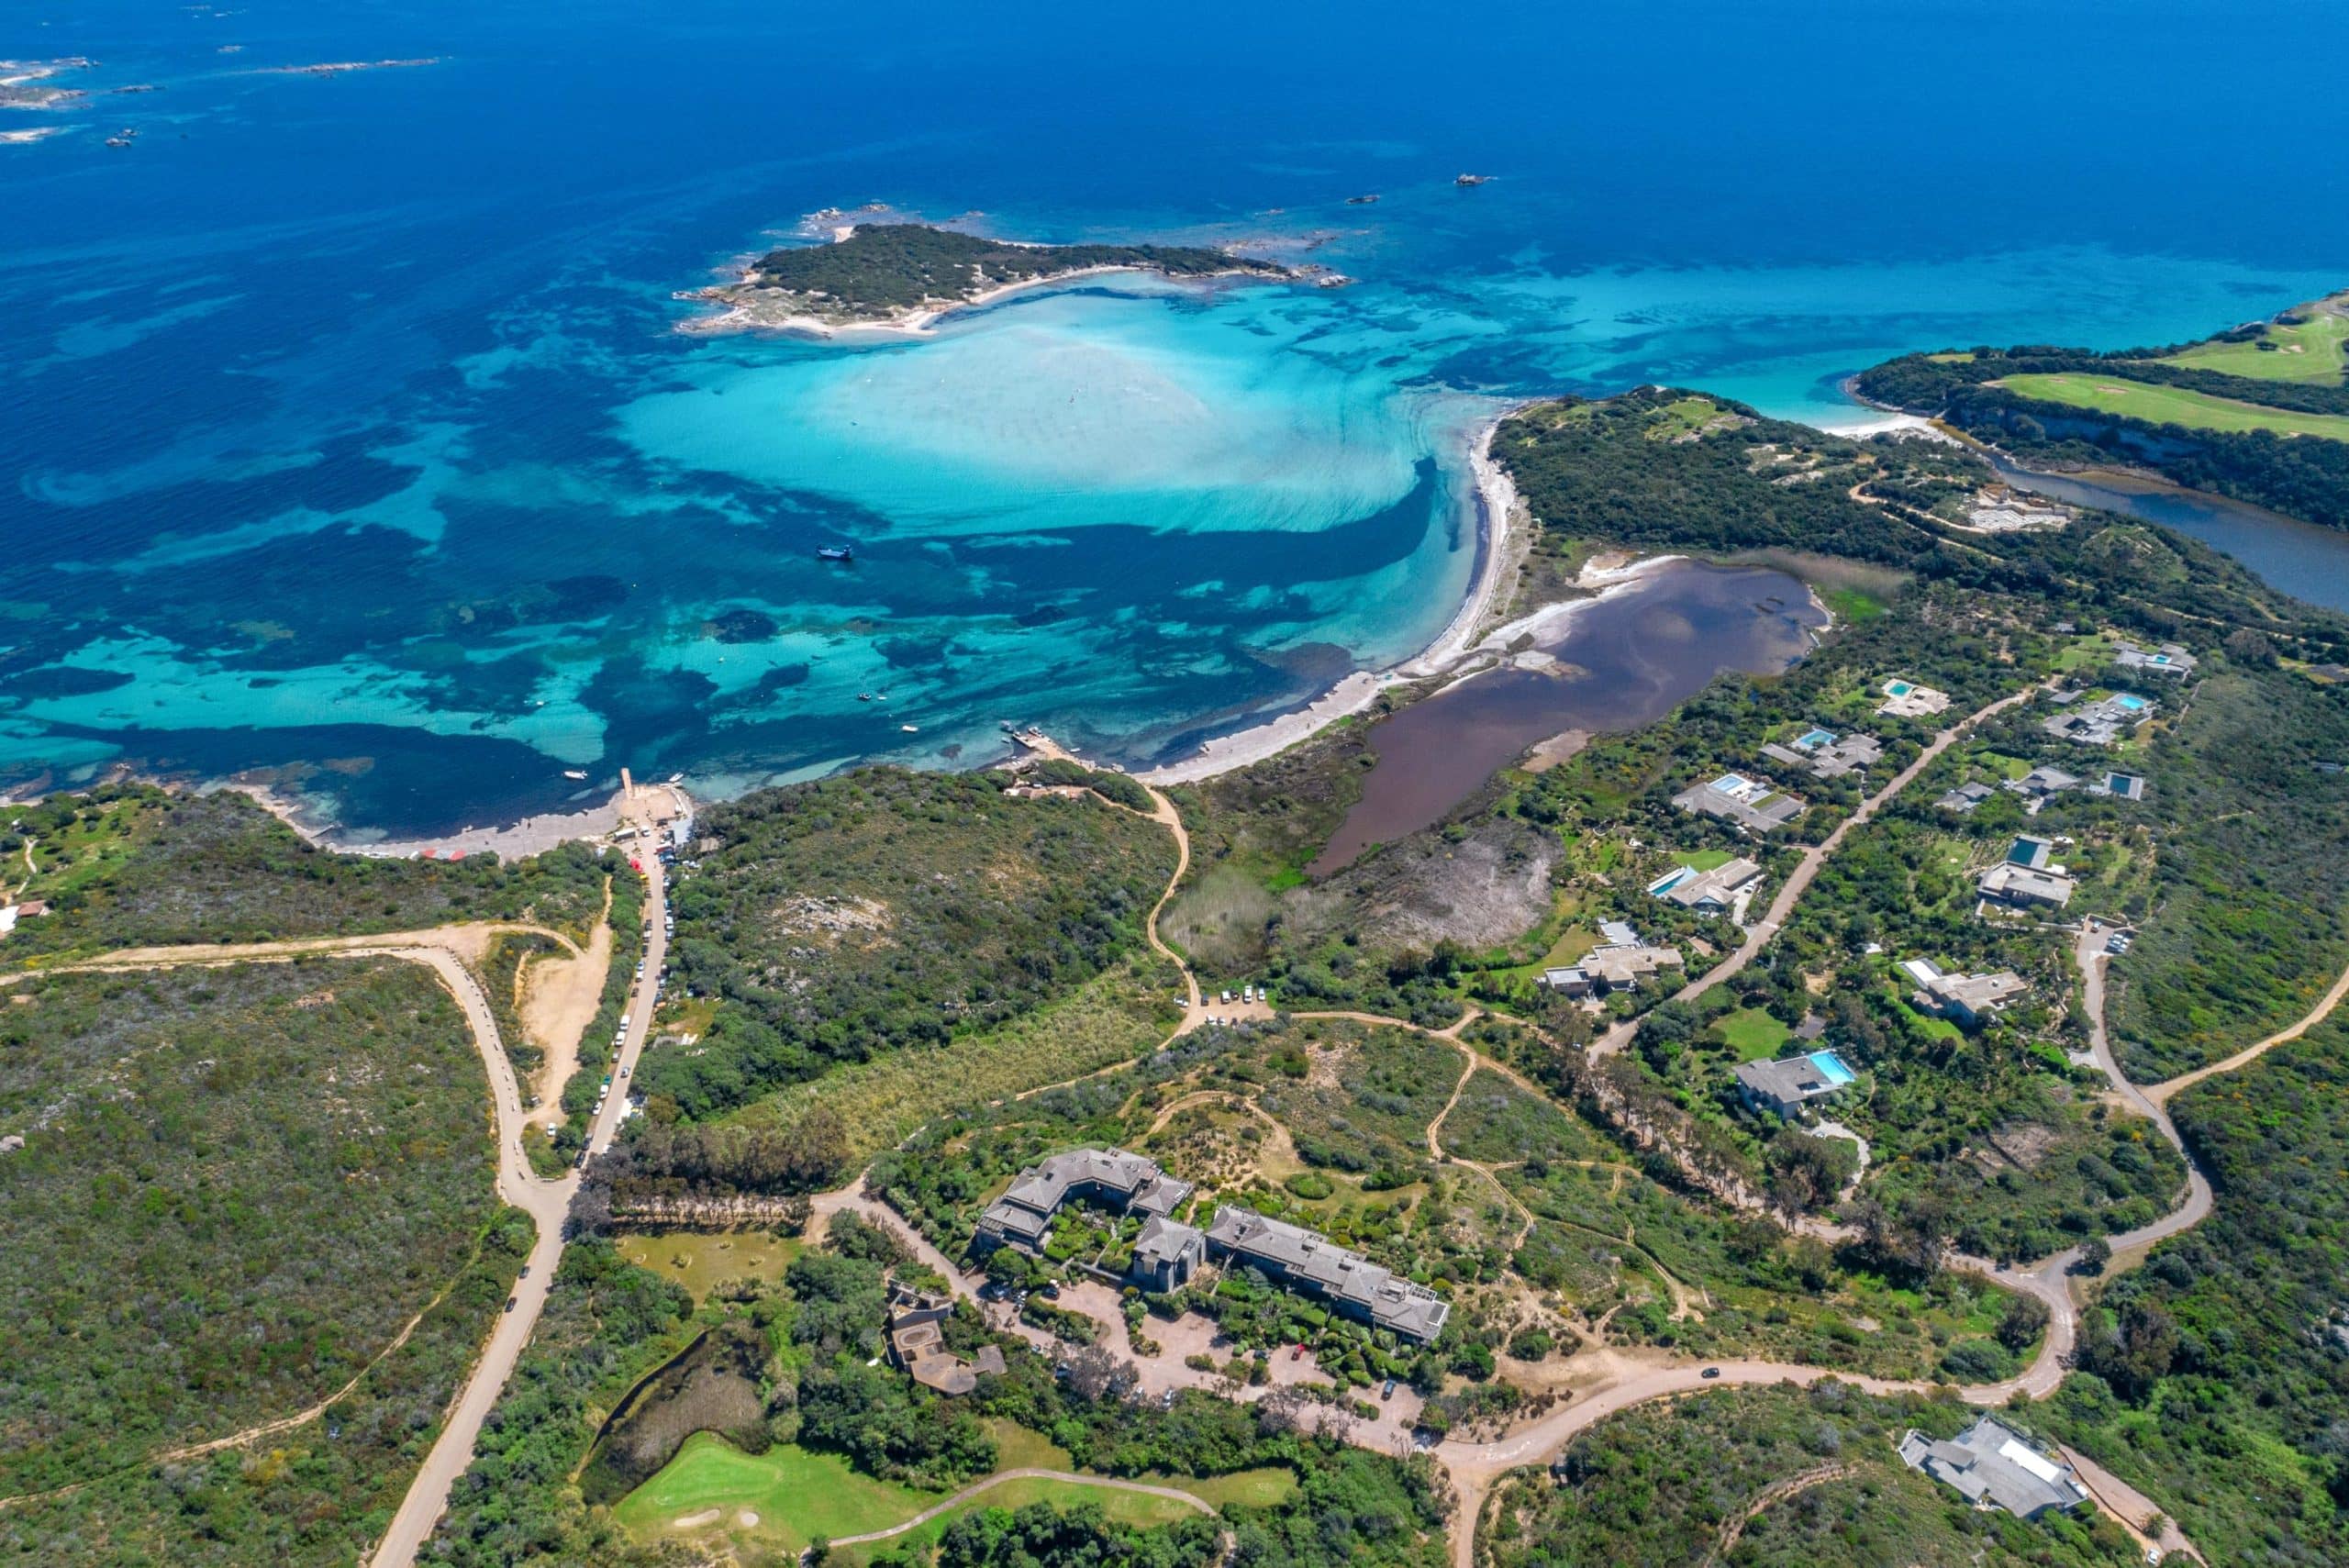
<point x="238" y="1187"/>
<point x="887" y="269"/>
<point x="891" y="912"/>
<point x="2212" y="1377"/>
<point x="1790" y="1478"/>
<point x="133" y="866"/>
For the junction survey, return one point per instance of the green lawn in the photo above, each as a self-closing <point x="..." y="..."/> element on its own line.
<point x="1704" y="859"/>
<point x="795" y="1495"/>
<point x="2172" y="405"/>
<point x="2306" y="351"/>
<point x="1262" y="1488"/>
<point x="1754" y="1034"/>
<point x="1850" y="606"/>
<point x="789" y="1494"/>
<point x="701" y="1261"/>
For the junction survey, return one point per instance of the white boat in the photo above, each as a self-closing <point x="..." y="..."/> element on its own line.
<point x="574" y="773"/>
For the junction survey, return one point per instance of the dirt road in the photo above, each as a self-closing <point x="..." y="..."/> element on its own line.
<point x="547" y="1204"/>
<point x="1000" y="1476"/>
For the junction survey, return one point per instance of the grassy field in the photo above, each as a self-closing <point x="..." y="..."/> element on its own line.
<point x="1115" y="1017"/>
<point x="1704" y="859"/>
<point x="2305" y="351"/>
<point x="793" y="1494"/>
<point x="790" y="1495"/>
<point x="2173" y="406"/>
<point x="701" y="1261"/>
<point x="1754" y="1033"/>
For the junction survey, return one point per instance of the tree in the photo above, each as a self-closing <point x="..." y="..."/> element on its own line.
<point x="2023" y="1321"/>
<point x="2095" y="1253"/>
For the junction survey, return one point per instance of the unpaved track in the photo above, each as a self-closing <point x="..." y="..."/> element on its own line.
<point x="547" y="1204"/>
<point x="449" y="950"/>
<point x="999" y="1477"/>
<point x="2161" y="1092"/>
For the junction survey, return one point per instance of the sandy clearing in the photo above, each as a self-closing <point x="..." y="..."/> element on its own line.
<point x="558" y="999"/>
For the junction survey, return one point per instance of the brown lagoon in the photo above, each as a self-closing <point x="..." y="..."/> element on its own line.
<point x="1620" y="661"/>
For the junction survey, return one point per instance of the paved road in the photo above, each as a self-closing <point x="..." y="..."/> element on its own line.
<point x="548" y="1203"/>
<point x="1759" y="934"/>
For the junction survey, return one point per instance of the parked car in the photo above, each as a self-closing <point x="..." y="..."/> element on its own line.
<point x="524" y="1273"/>
<point x="1387" y="1392"/>
<point x="1295" y="1352"/>
<point x="1051" y="1291"/>
<point x="510" y="1301"/>
<point x="1710" y="1371"/>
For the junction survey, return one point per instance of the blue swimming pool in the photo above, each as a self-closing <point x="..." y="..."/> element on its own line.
<point x="2132" y="703"/>
<point x="1831" y="1067"/>
<point x="1815" y="738"/>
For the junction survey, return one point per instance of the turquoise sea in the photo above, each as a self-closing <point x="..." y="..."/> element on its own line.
<point x="345" y="433"/>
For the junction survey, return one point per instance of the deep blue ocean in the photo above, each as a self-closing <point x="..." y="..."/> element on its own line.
<point x="345" y="432"/>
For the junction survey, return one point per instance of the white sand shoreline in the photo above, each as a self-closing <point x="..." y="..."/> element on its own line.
<point x="1498" y="526"/>
<point x="742" y="314"/>
<point x="512" y="841"/>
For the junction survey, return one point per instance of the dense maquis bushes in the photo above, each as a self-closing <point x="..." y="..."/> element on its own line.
<point x="888" y="910"/>
<point x="2218" y="1375"/>
<point x="1081" y="1537"/>
<point x="1591" y="471"/>
<point x="136" y="866"/>
<point x="236" y="1187"/>
<point x="606" y="1325"/>
<point x="1661" y="1487"/>
<point x="2253" y="875"/>
<point x="883" y="268"/>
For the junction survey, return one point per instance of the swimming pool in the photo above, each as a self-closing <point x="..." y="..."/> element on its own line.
<point x="1897" y="688"/>
<point x="1815" y="738"/>
<point x="1831" y="1067"/>
<point x="2132" y="703"/>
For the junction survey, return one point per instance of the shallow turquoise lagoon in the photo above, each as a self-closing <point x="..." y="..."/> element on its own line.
<point x="347" y="439"/>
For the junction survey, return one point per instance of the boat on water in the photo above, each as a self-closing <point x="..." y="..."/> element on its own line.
<point x="1365" y="200"/>
<point x="574" y="773"/>
<point x="910" y="728"/>
<point x="1471" y="179"/>
<point x="837" y="553"/>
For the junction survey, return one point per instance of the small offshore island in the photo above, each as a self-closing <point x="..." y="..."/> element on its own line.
<point x="903" y="276"/>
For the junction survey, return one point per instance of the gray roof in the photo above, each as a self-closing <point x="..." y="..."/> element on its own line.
<point x="1306" y="1257"/>
<point x="1965" y="797"/>
<point x="1994" y="1466"/>
<point x="2024" y="884"/>
<point x="2170" y="658"/>
<point x="1024" y="1213"/>
<point x="2044" y="780"/>
<point x="1719" y="885"/>
<point x="1749" y="803"/>
<point x="1830" y="758"/>
<point x="1788" y="1081"/>
<point x="1167" y="1241"/>
<point x="2102" y="722"/>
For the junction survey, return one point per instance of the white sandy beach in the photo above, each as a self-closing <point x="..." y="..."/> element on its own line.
<point x="742" y="315"/>
<point x="531" y="836"/>
<point x="1501" y="520"/>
